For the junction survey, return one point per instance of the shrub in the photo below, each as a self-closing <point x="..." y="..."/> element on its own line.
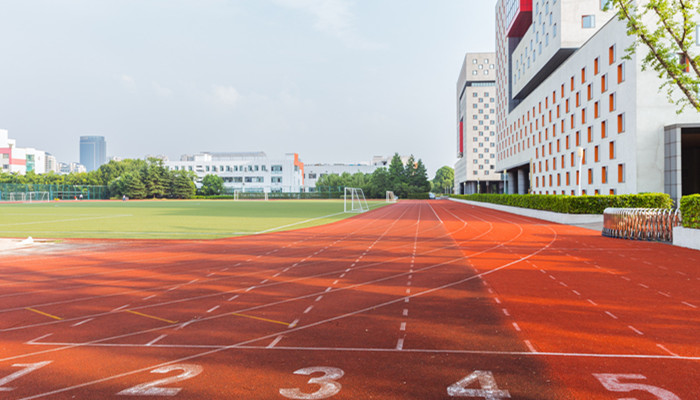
<point x="690" y="209"/>
<point x="418" y="196"/>
<point x="574" y="204"/>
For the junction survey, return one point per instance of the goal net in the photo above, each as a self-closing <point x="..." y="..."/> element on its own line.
<point x="354" y="200"/>
<point x="390" y="197"/>
<point x="29" y="197"/>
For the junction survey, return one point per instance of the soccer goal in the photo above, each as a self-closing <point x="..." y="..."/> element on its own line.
<point x="29" y="196"/>
<point x="354" y="200"/>
<point x="390" y="197"/>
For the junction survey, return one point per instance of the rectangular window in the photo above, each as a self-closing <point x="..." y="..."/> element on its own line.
<point x="596" y="107"/>
<point x="578" y="138"/>
<point x="588" y="21"/>
<point x="572" y="83"/>
<point x="612" y="102"/>
<point x="567" y="142"/>
<point x="578" y="99"/>
<point x="612" y="150"/>
<point x="621" y="123"/>
<point x="590" y="134"/>
<point x="620" y="173"/>
<point x="595" y="66"/>
<point x="621" y="73"/>
<point x="583" y="116"/>
<point x="583" y="75"/>
<point x="604" y="129"/>
<point x="590" y="176"/>
<point x="603" y="83"/>
<point x="596" y="154"/>
<point x="611" y="54"/>
<point x="567" y="105"/>
<point x="568" y="178"/>
<point x="604" y="174"/>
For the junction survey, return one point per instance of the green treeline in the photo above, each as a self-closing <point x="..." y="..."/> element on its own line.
<point x="402" y="179"/>
<point x="135" y="179"/>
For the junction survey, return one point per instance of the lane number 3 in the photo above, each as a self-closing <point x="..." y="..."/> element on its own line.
<point x="327" y="382"/>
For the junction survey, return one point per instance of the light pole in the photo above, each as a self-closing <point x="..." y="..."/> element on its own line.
<point x="505" y="181"/>
<point x="579" y="151"/>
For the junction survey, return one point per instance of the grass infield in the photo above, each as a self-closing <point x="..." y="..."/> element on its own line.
<point x="165" y="219"/>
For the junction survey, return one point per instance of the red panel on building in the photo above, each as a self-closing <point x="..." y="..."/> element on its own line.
<point x="519" y="14"/>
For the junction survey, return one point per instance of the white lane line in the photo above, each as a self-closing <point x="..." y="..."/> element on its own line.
<point x="293" y="324"/>
<point x="490" y="290"/>
<point x="328" y="289"/>
<point x="155" y="340"/>
<point x="191" y="282"/>
<point x="667" y="350"/>
<point x="309" y="308"/>
<point x="264" y="281"/>
<point x="637" y="331"/>
<point x="39" y="338"/>
<point x="611" y="315"/>
<point x="85" y="321"/>
<point x="276" y="275"/>
<point x="530" y="346"/>
<point x="233" y="297"/>
<point x="174" y="287"/>
<point x="225" y="269"/>
<point x="342" y="275"/>
<point x="318" y="298"/>
<point x="506" y="312"/>
<point x="213" y="309"/>
<point x="399" y="344"/>
<point x="405" y="312"/>
<point x="563" y="284"/>
<point x="576" y="292"/>
<point x="592" y="302"/>
<point x="403" y="326"/>
<point x="335" y="282"/>
<point x="552" y="277"/>
<point x="408" y="283"/>
<point x="120" y="308"/>
<point x="681" y="273"/>
<point x="250" y="288"/>
<point x="625" y="278"/>
<point x="405" y="300"/>
<point x="498" y="301"/>
<point x="275" y="341"/>
<point x="149" y="297"/>
<point x="516" y="326"/>
<point x="208" y="275"/>
<point x="664" y="294"/>
<point x="184" y="324"/>
<point x="689" y="305"/>
<point x="643" y="285"/>
<point x="408" y="291"/>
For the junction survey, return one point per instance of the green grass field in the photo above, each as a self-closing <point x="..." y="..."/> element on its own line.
<point x="165" y="219"/>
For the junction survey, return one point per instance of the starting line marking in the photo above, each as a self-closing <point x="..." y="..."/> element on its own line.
<point x="261" y="319"/>
<point x="151" y="316"/>
<point x="44" y="314"/>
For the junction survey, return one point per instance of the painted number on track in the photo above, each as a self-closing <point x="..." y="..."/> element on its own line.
<point x="613" y="384"/>
<point x="329" y="387"/>
<point x="488" y="388"/>
<point x="26" y="368"/>
<point x="152" y="389"/>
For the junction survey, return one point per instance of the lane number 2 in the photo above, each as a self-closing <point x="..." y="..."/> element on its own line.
<point x="327" y="382"/>
<point x="153" y="389"/>
<point x="488" y="388"/>
<point x="613" y="384"/>
<point x="26" y="368"/>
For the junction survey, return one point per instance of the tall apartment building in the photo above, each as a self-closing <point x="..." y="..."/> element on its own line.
<point x="93" y="152"/>
<point x="475" y="170"/>
<point x="571" y="109"/>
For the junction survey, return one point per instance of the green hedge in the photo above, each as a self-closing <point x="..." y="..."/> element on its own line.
<point x="573" y="204"/>
<point x="690" y="210"/>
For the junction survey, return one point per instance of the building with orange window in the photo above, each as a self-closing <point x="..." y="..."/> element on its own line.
<point x="572" y="109"/>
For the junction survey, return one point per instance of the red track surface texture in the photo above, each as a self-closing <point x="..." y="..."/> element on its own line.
<point x="418" y="300"/>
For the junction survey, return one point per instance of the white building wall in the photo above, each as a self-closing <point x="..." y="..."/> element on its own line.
<point x="315" y="171"/>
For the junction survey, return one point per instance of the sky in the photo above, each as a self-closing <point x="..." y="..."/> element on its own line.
<point x="337" y="81"/>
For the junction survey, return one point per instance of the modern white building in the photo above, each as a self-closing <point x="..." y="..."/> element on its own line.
<point x="246" y="172"/>
<point x="571" y="109"/>
<point x="20" y="160"/>
<point x="476" y="130"/>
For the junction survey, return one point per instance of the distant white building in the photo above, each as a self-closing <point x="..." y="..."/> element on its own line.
<point x="246" y="172"/>
<point x="20" y="160"/>
<point x="315" y="171"/>
<point x="67" y="168"/>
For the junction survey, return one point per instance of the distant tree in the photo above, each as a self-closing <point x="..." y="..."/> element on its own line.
<point x="128" y="184"/>
<point x="666" y="28"/>
<point x="156" y="178"/>
<point x="378" y="183"/>
<point x="182" y="185"/>
<point x="397" y="175"/>
<point x="212" y="185"/>
<point x="444" y="179"/>
<point x="419" y="179"/>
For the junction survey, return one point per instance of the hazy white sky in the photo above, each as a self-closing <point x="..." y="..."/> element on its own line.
<point x="332" y="80"/>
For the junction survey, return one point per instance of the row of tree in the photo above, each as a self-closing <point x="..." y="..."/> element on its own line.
<point x="136" y="179"/>
<point x="399" y="178"/>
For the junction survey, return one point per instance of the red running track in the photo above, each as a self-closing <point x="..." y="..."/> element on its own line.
<point x="417" y="300"/>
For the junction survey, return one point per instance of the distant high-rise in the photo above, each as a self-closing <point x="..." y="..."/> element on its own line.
<point x="93" y="152"/>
